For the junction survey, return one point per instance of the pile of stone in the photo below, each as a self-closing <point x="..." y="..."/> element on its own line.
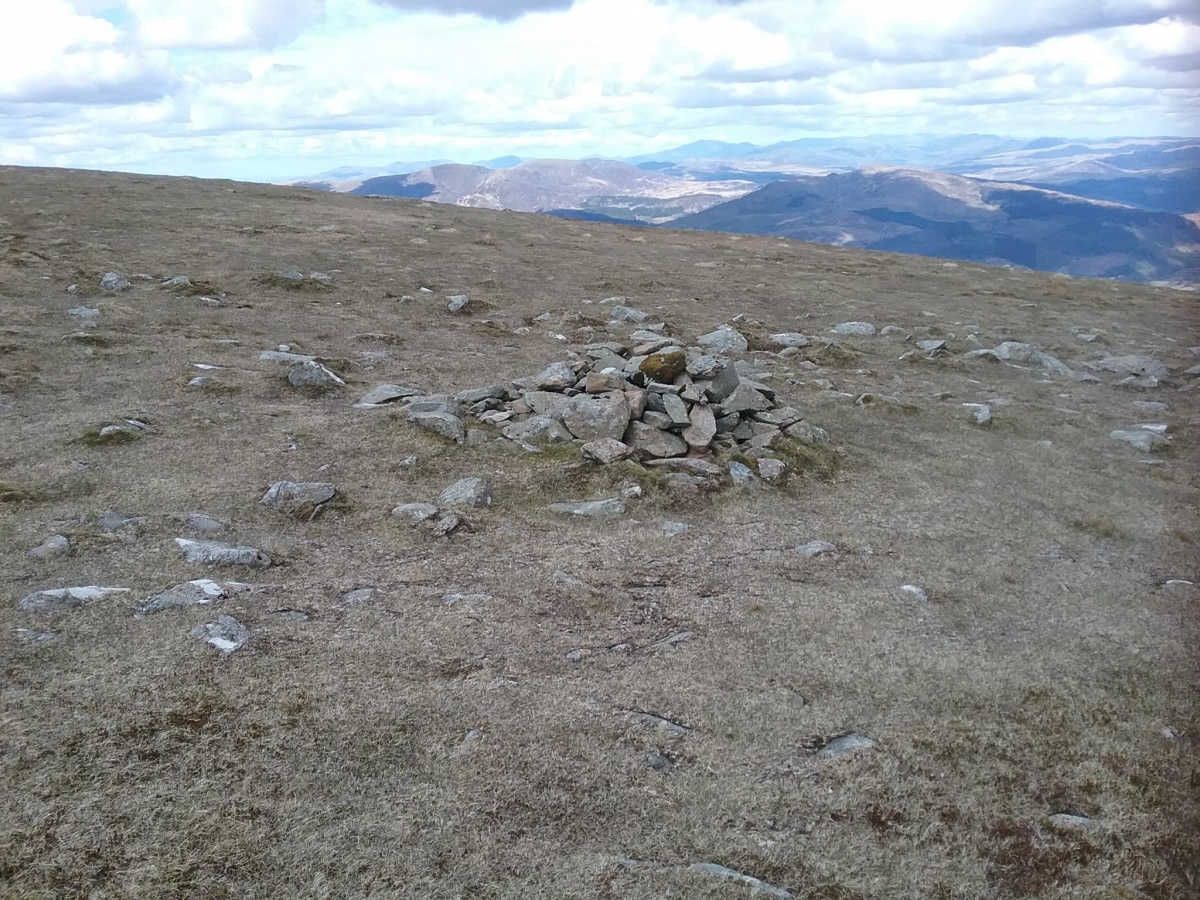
<point x="650" y="399"/>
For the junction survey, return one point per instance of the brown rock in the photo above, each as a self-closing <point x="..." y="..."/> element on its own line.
<point x="599" y="383"/>
<point x="665" y="365"/>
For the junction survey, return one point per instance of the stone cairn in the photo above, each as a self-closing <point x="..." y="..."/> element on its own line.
<point x="651" y="400"/>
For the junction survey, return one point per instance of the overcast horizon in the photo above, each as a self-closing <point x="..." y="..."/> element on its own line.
<point x="271" y="89"/>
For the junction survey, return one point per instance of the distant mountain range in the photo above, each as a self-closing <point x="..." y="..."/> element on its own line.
<point x="1120" y="208"/>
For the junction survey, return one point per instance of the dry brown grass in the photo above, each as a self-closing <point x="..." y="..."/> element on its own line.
<point x="328" y="758"/>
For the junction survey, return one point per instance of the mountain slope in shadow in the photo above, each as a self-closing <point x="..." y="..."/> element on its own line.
<point x="934" y="214"/>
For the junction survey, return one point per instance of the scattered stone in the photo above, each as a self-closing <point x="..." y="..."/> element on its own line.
<point x="383" y="395"/>
<point x="726" y="339"/>
<point x="1141" y="439"/>
<point x="627" y="315"/>
<point x="1151" y="405"/>
<point x="450" y="599"/>
<point x="291" y="274"/>
<point x="320" y="276"/>
<point x="741" y="474"/>
<point x="285" y="356"/>
<point x="807" y="434"/>
<point x="705" y="367"/>
<point x="589" y="508"/>
<point x="191" y="593"/>
<point x="702" y="467"/>
<point x="981" y="413"/>
<point x="298" y="496"/>
<point x="55" y="545"/>
<point x="771" y="470"/>
<point x="110" y="522"/>
<point x="659" y="763"/>
<point x="176" y="281"/>
<point x="1018" y="352"/>
<point x="58" y="599"/>
<point x="38" y="637"/>
<point x="674" y="529"/>
<point x="87" y="316"/>
<point x="469" y="493"/>
<point x="915" y="590"/>
<point x="890" y="329"/>
<point x="931" y="348"/>
<point x="357" y="596"/>
<point x="656" y="721"/>
<point x="815" y="548"/>
<point x="671" y="640"/>
<point x="1070" y="820"/>
<point x="845" y="745"/>
<point x="606" y="451"/>
<point x="862" y="329"/>
<point x="445" y="424"/>
<point x="213" y="553"/>
<point x="415" y="512"/>
<point x="579" y="654"/>
<point x="111" y="281"/>
<point x="206" y="523"/>
<point x="1130" y="364"/>
<point x="447" y="525"/>
<point x="226" y="634"/>
<point x="312" y="374"/>
<point x="756" y="885"/>
<point x="789" y="339"/>
<point x="458" y="303"/>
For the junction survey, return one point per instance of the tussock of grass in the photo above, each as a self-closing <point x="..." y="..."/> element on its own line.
<point x="115" y="438"/>
<point x="304" y="285"/>
<point x="20" y="493"/>
<point x="1097" y="525"/>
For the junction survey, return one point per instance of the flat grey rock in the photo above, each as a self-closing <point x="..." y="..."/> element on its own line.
<point x="674" y="529"/>
<point x="487" y="392"/>
<point x="789" y="339"/>
<point x="653" y="720"/>
<point x="445" y="424"/>
<point x="538" y="428"/>
<point x="704" y="367"/>
<point x="447" y="525"/>
<point x="589" y="508"/>
<point x="206" y="523"/>
<point x="479" y="597"/>
<point x="1070" y="820"/>
<point x="176" y="281"/>
<point x="862" y="329"/>
<point x="111" y="522"/>
<point x="555" y="377"/>
<point x="744" y="398"/>
<point x="1028" y="354"/>
<point x="111" y="281"/>
<point x="226" y="634"/>
<point x="627" y="315"/>
<point x="291" y="274"/>
<point x="55" y="545"/>
<point x="213" y="553"/>
<point x="87" y="316"/>
<point x="740" y="474"/>
<point x="358" y="595"/>
<point x="771" y="470"/>
<point x="1141" y="439"/>
<point x="293" y="496"/>
<point x="815" y="548"/>
<point x="916" y="591"/>
<point x="606" y="451"/>
<point x="845" y="745"/>
<point x="200" y="592"/>
<point x="284" y="356"/>
<point x="37" y="637"/>
<point x="726" y="339"/>
<point x="659" y="763"/>
<point x="58" y="599"/>
<point x="1130" y="364"/>
<point x="654" y="442"/>
<point x="931" y="347"/>
<point x="384" y="394"/>
<point x="757" y="886"/>
<point x="466" y="493"/>
<point x="312" y="374"/>
<point x="415" y="512"/>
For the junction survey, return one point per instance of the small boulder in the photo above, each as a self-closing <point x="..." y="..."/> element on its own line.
<point x="213" y="553"/>
<point x="384" y="394"/>
<point x="415" y="512"/>
<point x="726" y="339"/>
<point x="466" y="493"/>
<point x="606" y="451"/>
<point x="627" y="315"/>
<point x="589" y="418"/>
<point x="312" y="374"/>
<point x="1130" y="364"/>
<point x="58" y="599"/>
<point x="702" y="427"/>
<point x="298" y="496"/>
<point x="861" y="329"/>
<point x="1141" y="439"/>
<point x="789" y="339"/>
<point x="226" y="634"/>
<point x="653" y="442"/>
<point x="815" y="548"/>
<point x="458" y="303"/>
<point x="200" y="592"/>
<point x="55" y="545"/>
<point x="557" y="376"/>
<point x="445" y="424"/>
<point x="771" y="470"/>
<point x="111" y="281"/>
<point x="740" y="474"/>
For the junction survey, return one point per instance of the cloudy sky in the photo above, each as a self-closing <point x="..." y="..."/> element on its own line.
<point x="268" y="89"/>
